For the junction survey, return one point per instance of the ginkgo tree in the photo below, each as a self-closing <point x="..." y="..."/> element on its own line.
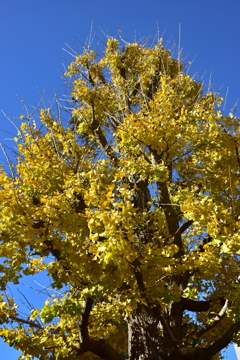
<point x="132" y="209"/>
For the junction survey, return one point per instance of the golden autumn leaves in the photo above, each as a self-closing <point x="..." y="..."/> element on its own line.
<point x="99" y="205"/>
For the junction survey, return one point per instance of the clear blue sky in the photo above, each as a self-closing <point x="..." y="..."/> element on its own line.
<point x="33" y="33"/>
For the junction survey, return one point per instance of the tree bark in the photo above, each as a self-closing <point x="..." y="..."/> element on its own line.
<point x="144" y="342"/>
<point x="153" y="337"/>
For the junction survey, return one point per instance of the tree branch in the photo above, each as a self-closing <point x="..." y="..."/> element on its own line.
<point x="139" y="278"/>
<point x="224" y="340"/>
<point x="167" y="329"/>
<point x="97" y="131"/>
<point x="237" y="155"/>
<point x="196" y="306"/>
<point x="184" y="227"/>
<point x="199" y="305"/>
<point x="98" y="347"/>
<point x="27" y="322"/>
<point x="171" y="217"/>
<point x="82" y="324"/>
<point x="208" y="326"/>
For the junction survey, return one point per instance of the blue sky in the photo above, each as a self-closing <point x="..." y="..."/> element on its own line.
<point x="33" y="33"/>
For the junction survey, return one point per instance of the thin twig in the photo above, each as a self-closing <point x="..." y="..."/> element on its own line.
<point x="231" y="188"/>
<point x="8" y="160"/>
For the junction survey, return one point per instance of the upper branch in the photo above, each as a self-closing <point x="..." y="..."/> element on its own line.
<point x="97" y="131"/>
<point x="171" y="217"/>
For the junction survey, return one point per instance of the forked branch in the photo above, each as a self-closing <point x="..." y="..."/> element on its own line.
<point x="98" y="347"/>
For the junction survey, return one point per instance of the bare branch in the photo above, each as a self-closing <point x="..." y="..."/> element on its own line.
<point x="27" y="322"/>
<point x="8" y="160"/>
<point x="199" y="305"/>
<point x="184" y="227"/>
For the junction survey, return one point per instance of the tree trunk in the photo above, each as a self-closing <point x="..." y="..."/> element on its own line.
<point x="144" y="340"/>
<point x="152" y="339"/>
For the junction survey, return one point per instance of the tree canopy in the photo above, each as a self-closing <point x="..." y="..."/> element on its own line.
<point x="131" y="208"/>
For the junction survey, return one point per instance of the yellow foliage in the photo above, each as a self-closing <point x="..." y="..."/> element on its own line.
<point x="135" y="206"/>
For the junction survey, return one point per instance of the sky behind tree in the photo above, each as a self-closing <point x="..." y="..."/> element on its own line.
<point x="33" y="34"/>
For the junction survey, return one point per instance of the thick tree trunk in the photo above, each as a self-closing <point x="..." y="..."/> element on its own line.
<point x="144" y="342"/>
<point x="152" y="339"/>
<point x="154" y="334"/>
